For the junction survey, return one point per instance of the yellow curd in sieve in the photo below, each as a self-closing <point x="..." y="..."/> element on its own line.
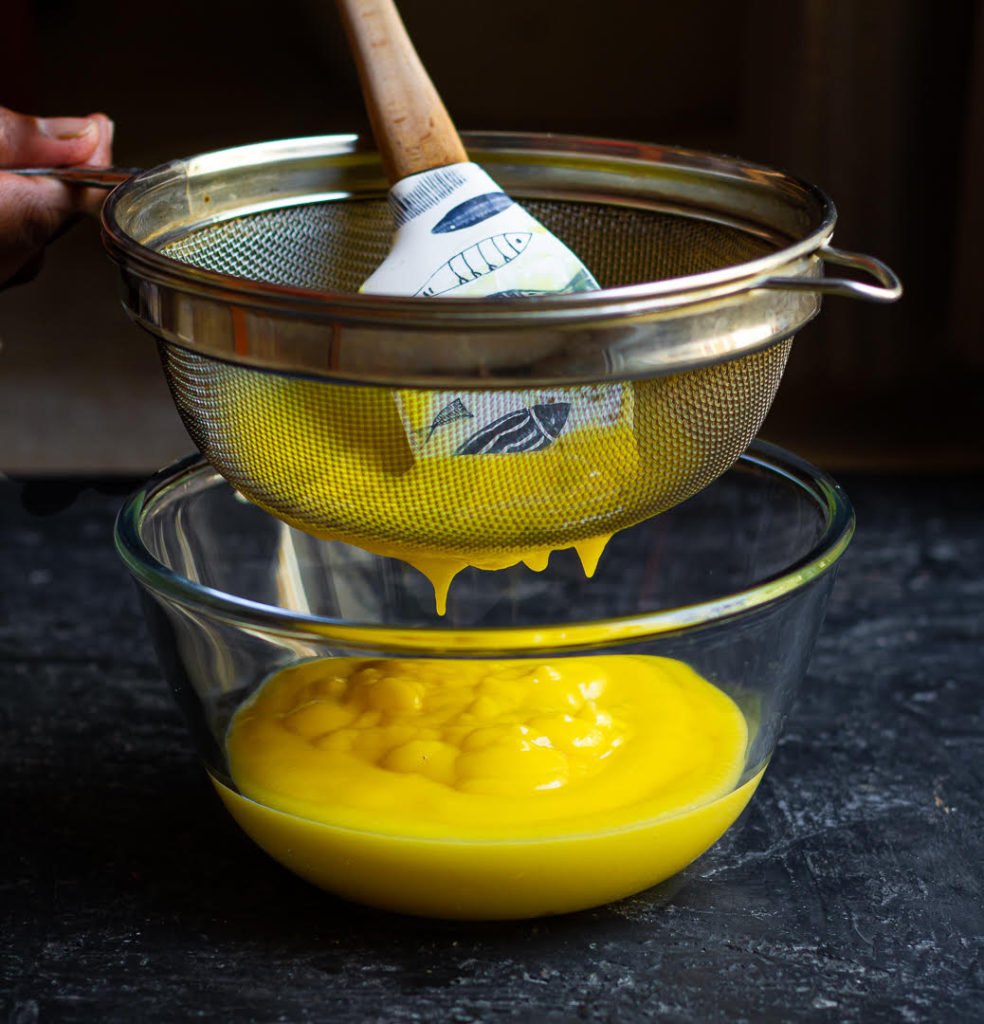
<point x="487" y="788"/>
<point x="340" y="464"/>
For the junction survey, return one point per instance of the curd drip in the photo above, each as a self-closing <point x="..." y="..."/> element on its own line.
<point x="340" y="463"/>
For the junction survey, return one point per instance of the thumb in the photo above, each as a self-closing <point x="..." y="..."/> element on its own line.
<point x="46" y="142"/>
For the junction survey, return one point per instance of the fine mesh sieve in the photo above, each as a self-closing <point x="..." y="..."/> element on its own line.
<point x="342" y="413"/>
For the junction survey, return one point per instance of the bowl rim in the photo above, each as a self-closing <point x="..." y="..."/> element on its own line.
<point x="165" y="583"/>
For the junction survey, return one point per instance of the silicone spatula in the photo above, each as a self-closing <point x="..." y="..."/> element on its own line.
<point x="457" y="232"/>
<point x="458" y="235"/>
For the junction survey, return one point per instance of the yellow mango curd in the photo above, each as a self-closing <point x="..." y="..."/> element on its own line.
<point x="487" y="788"/>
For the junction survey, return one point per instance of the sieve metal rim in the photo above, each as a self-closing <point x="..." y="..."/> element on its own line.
<point x="637" y="330"/>
<point x="159" y="580"/>
<point x="694" y="170"/>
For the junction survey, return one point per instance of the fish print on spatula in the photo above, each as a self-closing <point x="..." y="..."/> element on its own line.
<point x="459" y="235"/>
<point x="505" y="421"/>
<point x="525" y="430"/>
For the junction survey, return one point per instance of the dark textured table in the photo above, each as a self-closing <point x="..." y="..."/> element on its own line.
<point x="851" y="890"/>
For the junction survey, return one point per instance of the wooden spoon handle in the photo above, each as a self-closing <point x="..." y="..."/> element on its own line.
<point x="413" y="129"/>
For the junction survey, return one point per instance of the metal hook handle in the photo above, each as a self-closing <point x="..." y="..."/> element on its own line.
<point x="888" y="289"/>
<point x="92" y="177"/>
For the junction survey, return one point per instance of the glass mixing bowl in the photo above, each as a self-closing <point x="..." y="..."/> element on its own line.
<point x="733" y="583"/>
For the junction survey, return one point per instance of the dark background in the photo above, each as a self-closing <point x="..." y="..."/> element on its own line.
<point x="852" y="889"/>
<point x="879" y="102"/>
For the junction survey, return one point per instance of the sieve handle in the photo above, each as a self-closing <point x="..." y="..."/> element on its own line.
<point x="91" y="177"/>
<point x="888" y="289"/>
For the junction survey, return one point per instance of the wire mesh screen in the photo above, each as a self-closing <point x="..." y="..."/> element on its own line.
<point x="402" y="471"/>
<point x="334" y="246"/>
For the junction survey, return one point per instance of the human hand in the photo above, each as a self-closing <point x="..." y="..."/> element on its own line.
<point x="33" y="210"/>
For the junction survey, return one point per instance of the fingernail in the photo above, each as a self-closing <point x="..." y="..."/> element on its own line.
<point x="65" y="128"/>
<point x="106" y="127"/>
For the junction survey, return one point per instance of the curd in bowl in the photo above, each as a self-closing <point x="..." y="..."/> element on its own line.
<point x="551" y="743"/>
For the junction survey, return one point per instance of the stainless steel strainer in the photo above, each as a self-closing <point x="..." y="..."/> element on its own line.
<point x="245" y="265"/>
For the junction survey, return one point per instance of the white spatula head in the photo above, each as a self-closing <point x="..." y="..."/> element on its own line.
<point x="459" y="235"/>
